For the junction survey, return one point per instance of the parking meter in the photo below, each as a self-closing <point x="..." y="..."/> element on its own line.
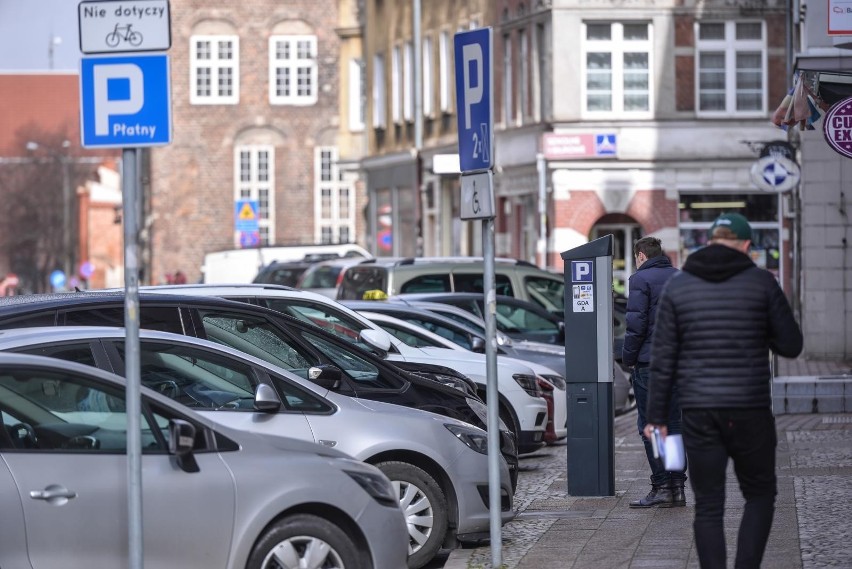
<point x="589" y="368"/>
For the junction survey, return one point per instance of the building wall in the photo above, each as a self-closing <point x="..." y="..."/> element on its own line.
<point x="826" y="260"/>
<point x="193" y="180"/>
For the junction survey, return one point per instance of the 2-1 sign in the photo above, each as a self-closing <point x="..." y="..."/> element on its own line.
<point x="475" y="106"/>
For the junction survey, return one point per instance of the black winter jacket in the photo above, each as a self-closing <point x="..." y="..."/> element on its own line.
<point x="646" y="285"/>
<point x="717" y="320"/>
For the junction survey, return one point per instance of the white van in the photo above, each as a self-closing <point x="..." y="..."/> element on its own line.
<point x="242" y="265"/>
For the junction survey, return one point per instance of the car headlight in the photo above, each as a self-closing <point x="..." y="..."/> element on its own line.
<point x="528" y="383"/>
<point x="481" y="410"/>
<point x="557" y="380"/>
<point x="474" y="438"/>
<point x="376" y="485"/>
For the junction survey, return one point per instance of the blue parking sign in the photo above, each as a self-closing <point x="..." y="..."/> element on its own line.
<point x="125" y="101"/>
<point x="474" y="102"/>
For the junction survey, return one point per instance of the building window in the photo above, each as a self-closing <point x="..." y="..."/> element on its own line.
<point x="508" y="86"/>
<point x="255" y="180"/>
<point x="524" y="79"/>
<point x="396" y="85"/>
<point x="357" y="95"/>
<point x="428" y="77"/>
<point x="379" y="92"/>
<point x="293" y="70"/>
<point x="698" y="210"/>
<point x="617" y="67"/>
<point x="214" y="70"/>
<point x="334" y="210"/>
<point x="408" y="82"/>
<point x="444" y="57"/>
<point x="731" y="68"/>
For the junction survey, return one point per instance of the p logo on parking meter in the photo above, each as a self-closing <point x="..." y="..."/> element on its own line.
<point x="106" y="107"/>
<point x="582" y="271"/>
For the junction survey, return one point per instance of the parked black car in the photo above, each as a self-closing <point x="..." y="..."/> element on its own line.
<point x="363" y="374"/>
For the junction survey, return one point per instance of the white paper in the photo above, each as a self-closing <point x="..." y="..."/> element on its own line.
<point x="673" y="454"/>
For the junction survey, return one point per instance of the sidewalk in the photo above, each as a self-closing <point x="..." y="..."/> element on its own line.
<point x="555" y="530"/>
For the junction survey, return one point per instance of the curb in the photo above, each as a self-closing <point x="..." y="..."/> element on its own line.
<point x="458" y="559"/>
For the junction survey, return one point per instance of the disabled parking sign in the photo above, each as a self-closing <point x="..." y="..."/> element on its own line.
<point x="125" y="101"/>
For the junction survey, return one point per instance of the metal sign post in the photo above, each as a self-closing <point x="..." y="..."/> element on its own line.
<point x="474" y="86"/>
<point x="125" y="102"/>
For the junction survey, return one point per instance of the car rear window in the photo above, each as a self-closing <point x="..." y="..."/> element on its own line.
<point x="358" y="280"/>
<point x="473" y="282"/>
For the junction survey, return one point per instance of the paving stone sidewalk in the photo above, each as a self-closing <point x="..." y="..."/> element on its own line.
<point x="555" y="530"/>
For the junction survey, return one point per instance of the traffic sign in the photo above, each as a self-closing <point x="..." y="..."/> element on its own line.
<point x="477" y="191"/>
<point x="125" y="101"/>
<point x="125" y="25"/>
<point x="474" y="102"/>
<point x="246" y="217"/>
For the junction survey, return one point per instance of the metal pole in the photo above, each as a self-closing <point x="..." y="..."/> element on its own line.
<point x="541" y="165"/>
<point x="418" y="79"/>
<point x="66" y="219"/>
<point x="130" y="187"/>
<point x="492" y="395"/>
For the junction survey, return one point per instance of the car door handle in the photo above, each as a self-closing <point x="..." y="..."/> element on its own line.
<point x="54" y="494"/>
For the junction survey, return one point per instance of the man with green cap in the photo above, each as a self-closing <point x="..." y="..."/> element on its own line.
<point x="716" y="322"/>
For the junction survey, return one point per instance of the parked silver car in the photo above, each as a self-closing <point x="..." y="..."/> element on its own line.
<point x="438" y="465"/>
<point x="212" y="496"/>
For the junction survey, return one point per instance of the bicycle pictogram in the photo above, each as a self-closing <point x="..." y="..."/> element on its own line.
<point x="124" y="33"/>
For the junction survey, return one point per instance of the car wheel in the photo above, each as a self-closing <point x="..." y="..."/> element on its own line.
<point x="305" y="540"/>
<point x="425" y="508"/>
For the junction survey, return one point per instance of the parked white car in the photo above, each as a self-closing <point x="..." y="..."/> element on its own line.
<point x="438" y="466"/>
<point x="521" y="405"/>
<point x="428" y="339"/>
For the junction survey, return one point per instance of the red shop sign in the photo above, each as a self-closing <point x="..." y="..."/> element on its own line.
<point x="837" y="127"/>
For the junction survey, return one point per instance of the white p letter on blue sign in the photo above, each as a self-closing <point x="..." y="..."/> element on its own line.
<point x="104" y="106"/>
<point x="472" y="52"/>
<point x="581" y="271"/>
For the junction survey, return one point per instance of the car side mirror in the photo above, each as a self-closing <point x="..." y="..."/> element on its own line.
<point x="181" y="443"/>
<point x="377" y="339"/>
<point x="477" y="344"/>
<point x="266" y="399"/>
<point x="326" y="376"/>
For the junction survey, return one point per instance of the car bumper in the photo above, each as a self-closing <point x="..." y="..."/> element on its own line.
<point x="386" y="534"/>
<point x="471" y="483"/>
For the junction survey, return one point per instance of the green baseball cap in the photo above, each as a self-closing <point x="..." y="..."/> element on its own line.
<point x="730" y="226"/>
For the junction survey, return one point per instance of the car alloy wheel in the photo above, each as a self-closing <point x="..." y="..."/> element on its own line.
<point x="425" y="508"/>
<point x="304" y="540"/>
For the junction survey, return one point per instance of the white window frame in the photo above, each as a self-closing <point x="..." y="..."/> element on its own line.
<point x="336" y="187"/>
<point x="216" y="67"/>
<point x="616" y="46"/>
<point x="396" y="85"/>
<point x="295" y="64"/>
<point x="253" y="187"/>
<point x="428" y="78"/>
<point x="444" y="56"/>
<point x="508" y="82"/>
<point x="357" y="98"/>
<point x="731" y="46"/>
<point x="379" y="92"/>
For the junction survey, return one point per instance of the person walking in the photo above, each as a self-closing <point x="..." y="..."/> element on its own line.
<point x="653" y="270"/>
<point x="717" y="321"/>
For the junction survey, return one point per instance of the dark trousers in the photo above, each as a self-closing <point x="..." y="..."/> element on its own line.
<point x="659" y="475"/>
<point x="748" y="437"/>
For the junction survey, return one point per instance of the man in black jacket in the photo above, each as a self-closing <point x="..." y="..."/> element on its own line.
<point x="654" y="269"/>
<point x="717" y="320"/>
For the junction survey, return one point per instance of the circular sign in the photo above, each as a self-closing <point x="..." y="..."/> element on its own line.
<point x="837" y="127"/>
<point x="87" y="269"/>
<point x="775" y="174"/>
<point x="57" y="279"/>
